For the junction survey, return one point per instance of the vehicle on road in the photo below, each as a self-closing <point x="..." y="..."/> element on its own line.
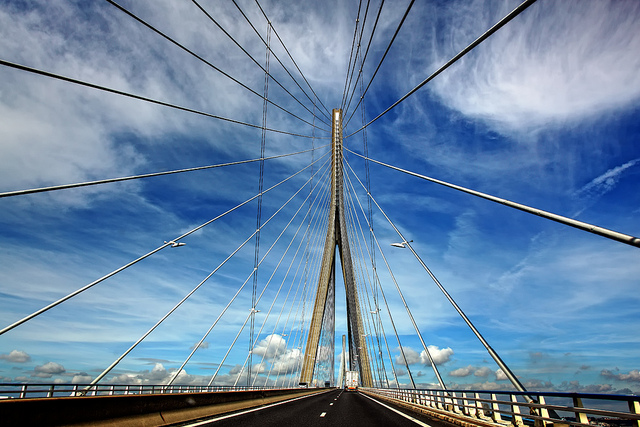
<point x="351" y="380"/>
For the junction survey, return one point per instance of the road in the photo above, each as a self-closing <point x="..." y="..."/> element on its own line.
<point x="333" y="408"/>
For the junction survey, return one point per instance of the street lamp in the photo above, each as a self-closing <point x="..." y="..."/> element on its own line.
<point x="401" y="245"/>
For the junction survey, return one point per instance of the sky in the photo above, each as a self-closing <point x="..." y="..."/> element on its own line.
<point x="546" y="112"/>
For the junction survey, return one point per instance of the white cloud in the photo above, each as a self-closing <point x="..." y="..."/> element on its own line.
<point x="204" y="345"/>
<point x="439" y="355"/>
<point x="500" y="375"/>
<point x="411" y="356"/>
<point x="607" y="180"/>
<point x="544" y="66"/>
<point x="482" y="372"/>
<point x="288" y="362"/>
<point x="462" y="372"/>
<point x="632" y="376"/>
<point x="48" y="370"/>
<point x="270" y="346"/>
<point x="602" y="184"/>
<point x="158" y="375"/>
<point x="469" y="370"/>
<point x="16" y="356"/>
<point x="81" y="378"/>
<point x="576" y="387"/>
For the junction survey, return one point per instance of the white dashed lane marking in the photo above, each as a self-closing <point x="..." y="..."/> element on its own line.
<point x="323" y="414"/>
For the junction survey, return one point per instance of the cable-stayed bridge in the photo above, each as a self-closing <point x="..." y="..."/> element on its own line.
<point x="297" y="216"/>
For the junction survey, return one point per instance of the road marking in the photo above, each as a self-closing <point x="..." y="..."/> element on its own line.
<point x="331" y="404"/>
<point x="210" y="420"/>
<point x="409" y="417"/>
<point x="323" y="414"/>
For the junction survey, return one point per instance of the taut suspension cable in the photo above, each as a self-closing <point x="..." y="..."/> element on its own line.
<point x="138" y="97"/>
<point x="601" y="231"/>
<point x="515" y="12"/>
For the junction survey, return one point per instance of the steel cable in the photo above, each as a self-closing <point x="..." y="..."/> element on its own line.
<point x="166" y="244"/>
<point x="138" y="97"/>
<point x="293" y="60"/>
<point x="146" y="175"/>
<point x="208" y="15"/>
<point x="270" y="25"/>
<point x="195" y="55"/>
<point x="515" y="12"/>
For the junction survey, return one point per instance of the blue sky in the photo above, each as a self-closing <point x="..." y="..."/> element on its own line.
<point x="546" y="113"/>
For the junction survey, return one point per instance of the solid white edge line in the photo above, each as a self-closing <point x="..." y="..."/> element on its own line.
<point x="398" y="412"/>
<point x="211" y="420"/>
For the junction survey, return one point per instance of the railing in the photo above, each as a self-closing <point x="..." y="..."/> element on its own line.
<point x="31" y="391"/>
<point x="520" y="409"/>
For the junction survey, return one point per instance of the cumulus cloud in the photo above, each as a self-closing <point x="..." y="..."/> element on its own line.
<point x="462" y="372"/>
<point x="500" y="375"/>
<point x="81" y="378"/>
<point x="576" y="387"/>
<point x="440" y="356"/>
<point x="158" y="375"/>
<point x="482" y="372"/>
<point x="48" y="370"/>
<point x="632" y="376"/>
<point x="288" y="362"/>
<point x="16" y="356"/>
<point x="270" y="346"/>
<point x="412" y="356"/>
<point x="235" y="370"/>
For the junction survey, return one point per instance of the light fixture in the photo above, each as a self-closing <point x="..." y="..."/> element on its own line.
<point x="401" y="245"/>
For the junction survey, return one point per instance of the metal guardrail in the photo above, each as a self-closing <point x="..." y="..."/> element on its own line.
<point x="516" y="408"/>
<point x="32" y="391"/>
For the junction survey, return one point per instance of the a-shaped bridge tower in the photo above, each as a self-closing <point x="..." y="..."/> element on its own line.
<point x="324" y="303"/>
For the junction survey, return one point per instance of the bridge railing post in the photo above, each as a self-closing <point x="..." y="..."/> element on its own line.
<point x="441" y="404"/>
<point x="23" y="391"/>
<point x="634" y="408"/>
<point x="455" y="404"/>
<point x="515" y="410"/>
<point x="544" y="414"/>
<point x="581" y="416"/>
<point x="467" y="409"/>
<point x="495" y="409"/>
<point x="481" y="408"/>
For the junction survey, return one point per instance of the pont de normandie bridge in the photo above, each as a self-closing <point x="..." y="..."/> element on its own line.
<point x="311" y="401"/>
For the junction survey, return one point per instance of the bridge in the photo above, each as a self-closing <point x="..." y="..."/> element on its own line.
<point x="175" y="255"/>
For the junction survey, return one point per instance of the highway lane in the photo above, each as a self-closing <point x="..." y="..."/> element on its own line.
<point x="333" y="408"/>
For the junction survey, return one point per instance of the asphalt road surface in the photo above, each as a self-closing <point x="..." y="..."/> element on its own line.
<point x="333" y="408"/>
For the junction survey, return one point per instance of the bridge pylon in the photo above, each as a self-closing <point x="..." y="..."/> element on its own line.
<point x="337" y="237"/>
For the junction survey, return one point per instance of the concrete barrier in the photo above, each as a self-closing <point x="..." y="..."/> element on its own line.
<point x="136" y="410"/>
